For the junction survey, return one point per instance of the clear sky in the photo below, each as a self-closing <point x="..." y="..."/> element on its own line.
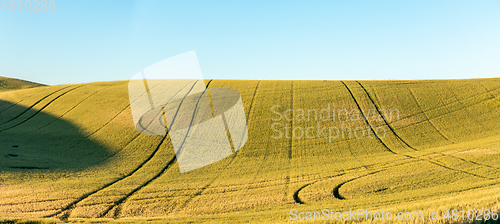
<point x="88" y="41"/>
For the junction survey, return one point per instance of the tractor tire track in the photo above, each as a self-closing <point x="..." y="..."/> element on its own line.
<point x="117" y="204"/>
<point x="73" y="204"/>
<point x="469" y="161"/>
<point x="296" y="197"/>
<point x="32" y="202"/>
<point x="355" y="157"/>
<point x="336" y="189"/>
<point x="200" y="192"/>
<point x="176" y="112"/>
<point x="31" y="106"/>
<point x="290" y="149"/>
<point x="487" y="90"/>
<point x="251" y="106"/>
<point x="123" y="199"/>
<point x="111" y="120"/>
<point x="273" y="185"/>
<point x="427" y="117"/>
<point x="384" y="118"/>
<point x="449" y="112"/>
<point x="393" y="131"/>
<point x="103" y="126"/>
<point x="417" y="158"/>
<point x="264" y="158"/>
<point x="72" y="108"/>
<point x="448" y="104"/>
<point x="366" y="120"/>
<point x="297" y="192"/>
<point x="291" y="139"/>
<point x="243" y="186"/>
<point x="38" y="111"/>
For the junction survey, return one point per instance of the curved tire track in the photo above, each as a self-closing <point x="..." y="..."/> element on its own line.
<point x="73" y="204"/>
<point x="427" y="117"/>
<point x="394" y="132"/>
<point x="31" y="106"/>
<point x="417" y="158"/>
<point x="107" y="123"/>
<point x="38" y="111"/>
<point x="72" y="108"/>
<point x="366" y="120"/>
<point x="448" y="104"/>
<point x="297" y="192"/>
<point x="384" y="118"/>
<point x="201" y="190"/>
<point x="296" y="197"/>
<point x="117" y="204"/>
<point x="336" y="189"/>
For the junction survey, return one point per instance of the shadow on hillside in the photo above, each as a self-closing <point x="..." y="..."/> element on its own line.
<point x="34" y="140"/>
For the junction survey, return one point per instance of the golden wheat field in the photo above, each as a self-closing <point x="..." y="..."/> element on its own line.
<point x="315" y="150"/>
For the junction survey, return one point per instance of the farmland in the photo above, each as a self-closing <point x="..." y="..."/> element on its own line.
<point x="72" y="153"/>
<point x="7" y="84"/>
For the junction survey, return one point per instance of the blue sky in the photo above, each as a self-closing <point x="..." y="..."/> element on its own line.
<point x="88" y="41"/>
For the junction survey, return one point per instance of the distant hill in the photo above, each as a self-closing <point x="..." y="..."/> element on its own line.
<point x="7" y="84"/>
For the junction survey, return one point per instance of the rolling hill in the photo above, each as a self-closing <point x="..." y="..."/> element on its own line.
<point x="71" y="152"/>
<point x="7" y="84"/>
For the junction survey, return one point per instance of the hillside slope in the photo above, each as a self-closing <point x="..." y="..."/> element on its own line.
<point x="7" y="84"/>
<point x="72" y="151"/>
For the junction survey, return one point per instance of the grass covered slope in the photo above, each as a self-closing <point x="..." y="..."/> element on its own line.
<point x="72" y="152"/>
<point x="7" y="84"/>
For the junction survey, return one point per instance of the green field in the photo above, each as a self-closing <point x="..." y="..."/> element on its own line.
<point x="72" y="153"/>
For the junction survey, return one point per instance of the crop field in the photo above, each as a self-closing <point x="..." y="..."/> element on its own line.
<point x="7" y="84"/>
<point x="72" y="153"/>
